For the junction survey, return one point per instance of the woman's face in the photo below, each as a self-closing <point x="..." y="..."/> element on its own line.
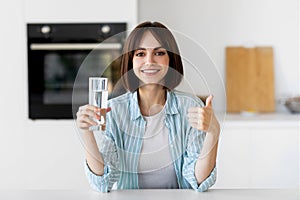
<point x="150" y="60"/>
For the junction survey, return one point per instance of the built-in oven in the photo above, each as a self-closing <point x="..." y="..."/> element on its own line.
<point x="56" y="53"/>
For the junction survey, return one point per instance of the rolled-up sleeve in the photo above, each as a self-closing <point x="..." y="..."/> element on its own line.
<point x="194" y="146"/>
<point x="98" y="183"/>
<point x="111" y="174"/>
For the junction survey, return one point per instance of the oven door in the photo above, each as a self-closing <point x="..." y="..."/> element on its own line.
<point x="52" y="72"/>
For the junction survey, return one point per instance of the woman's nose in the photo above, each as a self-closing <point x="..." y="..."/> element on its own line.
<point x="149" y="58"/>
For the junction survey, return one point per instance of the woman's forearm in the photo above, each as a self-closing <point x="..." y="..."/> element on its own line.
<point x="207" y="159"/>
<point x="206" y="163"/>
<point x="93" y="156"/>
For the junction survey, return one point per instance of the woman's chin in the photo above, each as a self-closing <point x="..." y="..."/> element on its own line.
<point x="152" y="83"/>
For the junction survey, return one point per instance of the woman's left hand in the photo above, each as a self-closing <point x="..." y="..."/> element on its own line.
<point x="203" y="118"/>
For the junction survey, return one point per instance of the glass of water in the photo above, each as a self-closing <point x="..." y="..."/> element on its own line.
<point x="98" y="96"/>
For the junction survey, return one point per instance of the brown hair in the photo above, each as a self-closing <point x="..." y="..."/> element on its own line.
<point x="164" y="36"/>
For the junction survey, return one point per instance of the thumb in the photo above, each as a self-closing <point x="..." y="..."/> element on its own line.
<point x="208" y="101"/>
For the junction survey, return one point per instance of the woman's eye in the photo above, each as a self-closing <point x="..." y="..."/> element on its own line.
<point x="139" y="54"/>
<point x="160" y="53"/>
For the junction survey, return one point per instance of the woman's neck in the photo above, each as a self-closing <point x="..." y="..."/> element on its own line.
<point x="152" y="99"/>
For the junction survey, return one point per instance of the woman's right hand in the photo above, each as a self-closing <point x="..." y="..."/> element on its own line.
<point x="85" y="118"/>
<point x="86" y="113"/>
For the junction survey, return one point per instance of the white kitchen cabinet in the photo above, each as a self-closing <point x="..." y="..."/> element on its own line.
<point x="259" y="152"/>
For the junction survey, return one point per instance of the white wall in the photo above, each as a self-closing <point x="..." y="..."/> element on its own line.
<point x="216" y="24"/>
<point x="81" y="11"/>
<point x="42" y="154"/>
<point x="13" y="92"/>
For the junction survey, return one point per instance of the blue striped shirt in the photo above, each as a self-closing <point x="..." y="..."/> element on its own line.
<point x="121" y="143"/>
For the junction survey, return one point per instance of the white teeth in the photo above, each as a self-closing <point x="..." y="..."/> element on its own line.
<point x="150" y="70"/>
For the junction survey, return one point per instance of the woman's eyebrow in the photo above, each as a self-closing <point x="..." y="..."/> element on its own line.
<point x="143" y="48"/>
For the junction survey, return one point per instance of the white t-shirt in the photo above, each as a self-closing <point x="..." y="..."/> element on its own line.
<point x="156" y="169"/>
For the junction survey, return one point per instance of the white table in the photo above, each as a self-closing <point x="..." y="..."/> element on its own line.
<point x="213" y="194"/>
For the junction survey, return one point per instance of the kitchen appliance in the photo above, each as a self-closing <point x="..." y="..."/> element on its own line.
<point x="55" y="55"/>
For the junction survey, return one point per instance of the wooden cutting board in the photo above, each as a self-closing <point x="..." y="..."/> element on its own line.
<point x="250" y="79"/>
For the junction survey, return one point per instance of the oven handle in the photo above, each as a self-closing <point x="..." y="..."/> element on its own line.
<point x="75" y="46"/>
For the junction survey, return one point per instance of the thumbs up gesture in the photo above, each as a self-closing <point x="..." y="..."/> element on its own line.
<point x="203" y="118"/>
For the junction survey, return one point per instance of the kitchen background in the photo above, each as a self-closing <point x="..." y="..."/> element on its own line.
<point x="260" y="152"/>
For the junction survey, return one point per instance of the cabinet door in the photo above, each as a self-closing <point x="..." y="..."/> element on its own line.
<point x="258" y="157"/>
<point x="233" y="159"/>
<point x="274" y="157"/>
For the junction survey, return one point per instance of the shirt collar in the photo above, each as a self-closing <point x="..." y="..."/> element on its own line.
<point x="170" y="107"/>
<point x="135" y="112"/>
<point x="171" y="103"/>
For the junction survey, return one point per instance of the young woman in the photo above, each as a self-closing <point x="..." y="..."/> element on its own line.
<point x="155" y="137"/>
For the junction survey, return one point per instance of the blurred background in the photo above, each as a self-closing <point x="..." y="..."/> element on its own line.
<point x="257" y="150"/>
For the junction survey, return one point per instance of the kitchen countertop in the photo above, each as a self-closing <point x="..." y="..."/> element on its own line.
<point x="262" y="119"/>
<point x="212" y="194"/>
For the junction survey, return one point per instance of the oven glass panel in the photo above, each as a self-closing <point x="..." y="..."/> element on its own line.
<point x="60" y="73"/>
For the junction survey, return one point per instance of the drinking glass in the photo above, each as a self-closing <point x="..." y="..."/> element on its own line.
<point x="98" y="96"/>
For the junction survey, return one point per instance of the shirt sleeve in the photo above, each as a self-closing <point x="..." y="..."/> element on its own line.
<point x="194" y="146"/>
<point x="111" y="174"/>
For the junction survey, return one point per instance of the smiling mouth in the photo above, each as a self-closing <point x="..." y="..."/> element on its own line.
<point x="150" y="71"/>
